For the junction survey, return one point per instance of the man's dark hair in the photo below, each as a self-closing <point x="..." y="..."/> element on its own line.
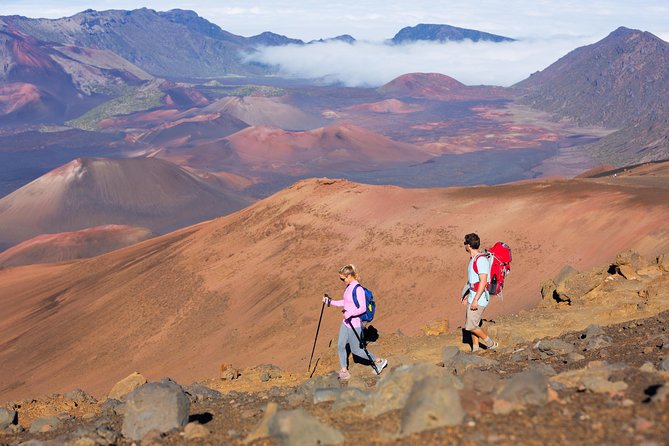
<point x="473" y="240"/>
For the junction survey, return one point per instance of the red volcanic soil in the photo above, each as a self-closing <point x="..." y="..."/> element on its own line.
<point x="261" y="111"/>
<point x="148" y="119"/>
<point x="338" y="147"/>
<point x="391" y="106"/>
<point x="17" y="95"/>
<point x="90" y="192"/>
<point x="198" y="127"/>
<point x="246" y="288"/>
<point x="49" y="248"/>
<point x="439" y="87"/>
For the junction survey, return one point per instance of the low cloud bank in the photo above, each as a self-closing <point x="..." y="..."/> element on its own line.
<point x="373" y="64"/>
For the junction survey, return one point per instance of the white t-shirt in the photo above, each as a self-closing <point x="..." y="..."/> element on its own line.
<point x="484" y="268"/>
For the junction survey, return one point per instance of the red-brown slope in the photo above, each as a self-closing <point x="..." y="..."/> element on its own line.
<point x="438" y="87"/>
<point x="262" y="111"/>
<point x="335" y="147"/>
<point x="246" y="288"/>
<point x="91" y="242"/>
<point x="90" y="192"/>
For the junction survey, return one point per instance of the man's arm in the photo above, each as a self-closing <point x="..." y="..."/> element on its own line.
<point x="483" y="281"/>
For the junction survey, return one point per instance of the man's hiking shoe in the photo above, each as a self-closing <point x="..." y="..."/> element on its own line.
<point x="344" y="376"/>
<point x="493" y="346"/>
<point x="380" y="366"/>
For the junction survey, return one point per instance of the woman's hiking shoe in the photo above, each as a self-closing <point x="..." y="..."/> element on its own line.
<point x="380" y="366"/>
<point x="344" y="376"/>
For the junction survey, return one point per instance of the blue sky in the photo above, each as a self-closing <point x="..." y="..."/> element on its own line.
<point x="547" y="30"/>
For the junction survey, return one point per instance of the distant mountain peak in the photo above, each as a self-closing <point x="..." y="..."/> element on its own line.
<point x="443" y="33"/>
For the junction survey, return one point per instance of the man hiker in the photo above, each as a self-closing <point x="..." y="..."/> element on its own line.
<point x="478" y="297"/>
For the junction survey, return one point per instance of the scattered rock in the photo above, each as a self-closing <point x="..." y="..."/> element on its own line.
<point x="268" y="371"/>
<point x="7" y="417"/>
<point x="126" y="385"/>
<point x="161" y="406"/>
<point x="543" y="368"/>
<point x="456" y="361"/>
<point x="44" y="424"/>
<point x="600" y="385"/>
<point x="114" y="406"/>
<point x="648" y="367"/>
<point x="481" y="380"/>
<point x="664" y="365"/>
<point x="14" y="429"/>
<point x="598" y="343"/>
<point x="593" y="331"/>
<point x="325" y="395"/>
<point x="433" y="402"/>
<point x="628" y="272"/>
<point x="228" y="372"/>
<point x="566" y="272"/>
<point x="199" y="392"/>
<point x="548" y="294"/>
<point x="632" y="259"/>
<point x="663" y="262"/>
<point x="575" y="357"/>
<point x="294" y="428"/>
<point x="580" y="284"/>
<point x="435" y="328"/>
<point x="328" y="381"/>
<point x="530" y="387"/>
<point x="554" y="347"/>
<point x="350" y="397"/>
<point x="80" y="397"/>
<point x="394" y="388"/>
<point x="195" y="430"/>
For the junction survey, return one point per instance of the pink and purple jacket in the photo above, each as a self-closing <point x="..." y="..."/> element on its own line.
<point x="349" y="306"/>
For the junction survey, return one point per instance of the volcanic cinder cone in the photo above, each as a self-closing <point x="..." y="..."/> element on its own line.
<point x="89" y="192"/>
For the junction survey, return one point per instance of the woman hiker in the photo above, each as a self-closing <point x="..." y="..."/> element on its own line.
<point x="349" y="276"/>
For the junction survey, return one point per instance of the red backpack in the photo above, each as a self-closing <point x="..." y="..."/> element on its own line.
<point x="499" y="257"/>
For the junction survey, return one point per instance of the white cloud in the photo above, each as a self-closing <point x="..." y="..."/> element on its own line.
<point x="373" y="64"/>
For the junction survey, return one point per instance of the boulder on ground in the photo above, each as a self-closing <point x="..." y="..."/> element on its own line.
<point x="44" y="424"/>
<point x="350" y="397"/>
<point x="457" y="362"/>
<point x="199" y="392"/>
<point x="80" y="397"/>
<point x="294" y="428"/>
<point x="394" y="389"/>
<point x="193" y="431"/>
<point x="327" y="381"/>
<point x="595" y="370"/>
<point x="126" y="385"/>
<point x="578" y="285"/>
<point x="633" y="259"/>
<point x="7" y="417"/>
<point x="228" y="372"/>
<point x="433" y="402"/>
<point x="161" y="406"/>
<point x="555" y="347"/>
<point x="663" y="262"/>
<point x="530" y="387"/>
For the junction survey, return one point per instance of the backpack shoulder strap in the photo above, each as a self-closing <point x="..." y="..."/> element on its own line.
<point x="355" y="297"/>
<point x="476" y="268"/>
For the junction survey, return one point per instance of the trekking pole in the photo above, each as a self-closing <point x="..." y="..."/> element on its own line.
<point x="363" y="346"/>
<point x="316" y="338"/>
